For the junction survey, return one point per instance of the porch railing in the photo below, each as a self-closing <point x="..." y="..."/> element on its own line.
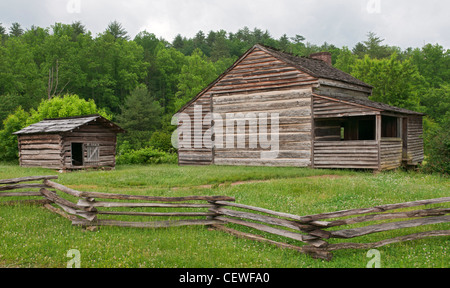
<point x="346" y="154"/>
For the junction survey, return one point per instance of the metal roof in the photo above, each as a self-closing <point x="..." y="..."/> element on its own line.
<point x="61" y="125"/>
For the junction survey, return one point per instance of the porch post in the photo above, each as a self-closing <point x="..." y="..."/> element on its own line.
<point x="378" y="138"/>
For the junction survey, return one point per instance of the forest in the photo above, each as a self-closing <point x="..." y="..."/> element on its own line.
<point x="63" y="70"/>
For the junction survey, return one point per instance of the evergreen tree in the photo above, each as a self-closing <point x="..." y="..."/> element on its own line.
<point x="117" y="31"/>
<point x="140" y="116"/>
<point x="15" y="30"/>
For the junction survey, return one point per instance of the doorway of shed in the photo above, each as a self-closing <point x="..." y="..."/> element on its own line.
<point x="77" y="154"/>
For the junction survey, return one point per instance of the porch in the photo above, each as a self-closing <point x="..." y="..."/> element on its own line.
<point x="360" y="142"/>
<point x="359" y="133"/>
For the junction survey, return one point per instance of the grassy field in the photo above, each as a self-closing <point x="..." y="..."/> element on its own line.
<point x="31" y="236"/>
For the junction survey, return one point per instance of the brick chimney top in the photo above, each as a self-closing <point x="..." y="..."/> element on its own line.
<point x="324" y="56"/>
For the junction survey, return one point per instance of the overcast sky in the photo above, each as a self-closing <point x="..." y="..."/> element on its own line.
<point x="403" y="23"/>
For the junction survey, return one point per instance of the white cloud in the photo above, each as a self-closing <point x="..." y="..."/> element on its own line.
<point x="340" y="22"/>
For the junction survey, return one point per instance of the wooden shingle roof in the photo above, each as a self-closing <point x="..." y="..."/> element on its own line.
<point x="62" y="125"/>
<point x="314" y="67"/>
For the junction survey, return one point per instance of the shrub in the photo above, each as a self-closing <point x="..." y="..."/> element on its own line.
<point x="65" y="106"/>
<point x="162" y="141"/>
<point x="438" y="149"/>
<point x="8" y="142"/>
<point x="147" y="155"/>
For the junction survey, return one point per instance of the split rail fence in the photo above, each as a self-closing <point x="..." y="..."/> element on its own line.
<point x="221" y="212"/>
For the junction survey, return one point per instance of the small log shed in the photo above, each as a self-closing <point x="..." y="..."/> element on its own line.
<point x="69" y="143"/>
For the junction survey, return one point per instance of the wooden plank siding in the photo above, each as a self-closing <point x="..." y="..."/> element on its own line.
<point x="414" y="146"/>
<point x="40" y="151"/>
<point x="325" y="107"/>
<point x="261" y="72"/>
<point x="332" y="88"/>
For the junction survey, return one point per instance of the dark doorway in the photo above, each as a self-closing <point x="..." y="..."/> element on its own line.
<point x="366" y="129"/>
<point x="77" y="154"/>
<point x="389" y="127"/>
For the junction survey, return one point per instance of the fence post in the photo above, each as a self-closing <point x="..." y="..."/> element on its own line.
<point x="91" y="224"/>
<point x="212" y="210"/>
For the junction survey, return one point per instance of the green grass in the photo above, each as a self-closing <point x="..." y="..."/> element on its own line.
<point x="31" y="236"/>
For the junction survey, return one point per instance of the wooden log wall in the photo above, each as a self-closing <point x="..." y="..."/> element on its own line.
<point x="243" y="87"/>
<point x="293" y="111"/>
<point x="415" y="148"/>
<point x="193" y="155"/>
<point x="93" y="133"/>
<point x="391" y="151"/>
<point x="346" y="154"/>
<point x="41" y="151"/>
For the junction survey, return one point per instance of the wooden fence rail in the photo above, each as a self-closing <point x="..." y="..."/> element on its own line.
<point x="312" y="231"/>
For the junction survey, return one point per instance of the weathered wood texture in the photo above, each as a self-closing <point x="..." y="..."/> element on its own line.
<point x="315" y="227"/>
<point x="41" y="151"/>
<point x="247" y="130"/>
<point x="391" y="151"/>
<point x="50" y="144"/>
<point x="94" y="134"/>
<point x="325" y="107"/>
<point x="327" y="130"/>
<point x="346" y="154"/>
<point x="21" y="187"/>
<point x="332" y="88"/>
<point x="248" y="87"/>
<point x="152" y="224"/>
<point x="300" y="90"/>
<point x="309" y="230"/>
<point x="86" y="211"/>
<point x="415" y="148"/>
<point x="27" y="179"/>
<point x="195" y="152"/>
<point x="261" y="72"/>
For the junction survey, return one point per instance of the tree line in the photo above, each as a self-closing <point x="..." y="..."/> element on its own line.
<point x="140" y="83"/>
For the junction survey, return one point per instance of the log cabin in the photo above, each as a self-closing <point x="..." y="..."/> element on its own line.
<point x="324" y="118"/>
<point x="72" y="143"/>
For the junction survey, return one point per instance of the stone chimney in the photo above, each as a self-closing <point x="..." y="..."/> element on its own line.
<point x="324" y="56"/>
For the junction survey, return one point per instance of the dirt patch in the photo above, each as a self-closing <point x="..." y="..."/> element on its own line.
<point x="211" y="186"/>
<point x="252" y="182"/>
<point x="325" y="176"/>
